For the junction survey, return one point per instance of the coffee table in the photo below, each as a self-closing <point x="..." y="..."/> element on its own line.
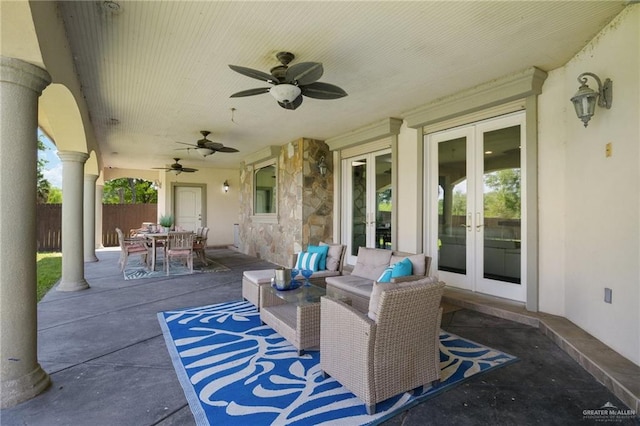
<point x="294" y="314"/>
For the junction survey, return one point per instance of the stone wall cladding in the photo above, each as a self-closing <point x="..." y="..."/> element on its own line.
<point x="305" y="204"/>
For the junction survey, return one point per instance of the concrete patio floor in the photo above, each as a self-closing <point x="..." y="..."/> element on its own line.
<point x="108" y="363"/>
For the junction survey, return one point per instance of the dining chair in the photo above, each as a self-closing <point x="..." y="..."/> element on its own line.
<point x="200" y="244"/>
<point x="179" y="245"/>
<point x="131" y="246"/>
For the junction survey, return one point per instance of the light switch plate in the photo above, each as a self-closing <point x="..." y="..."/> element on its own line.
<point x="608" y="150"/>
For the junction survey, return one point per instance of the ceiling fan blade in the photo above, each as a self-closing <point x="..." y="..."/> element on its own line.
<point x="321" y="90"/>
<point x="249" y="72"/>
<point x="188" y="170"/>
<point x="227" y="149"/>
<point x="292" y="105"/>
<point x="211" y="145"/>
<point x="251" y="92"/>
<point x="305" y="72"/>
<point x="161" y="168"/>
<point x="189" y="144"/>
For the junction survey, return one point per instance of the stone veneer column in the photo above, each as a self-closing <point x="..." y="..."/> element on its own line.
<point x="21" y="377"/>
<point x="89" y="220"/>
<point x="72" y="221"/>
<point x="98" y="224"/>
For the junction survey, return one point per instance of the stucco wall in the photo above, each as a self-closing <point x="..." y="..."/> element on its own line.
<point x="590" y="203"/>
<point x="222" y="207"/>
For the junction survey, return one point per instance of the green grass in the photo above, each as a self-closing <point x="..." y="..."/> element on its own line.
<point x="49" y="271"/>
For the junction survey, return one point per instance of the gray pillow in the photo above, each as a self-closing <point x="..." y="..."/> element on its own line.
<point x="333" y="256"/>
<point x="371" y="262"/>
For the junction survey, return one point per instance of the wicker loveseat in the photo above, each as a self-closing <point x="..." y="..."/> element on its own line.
<point x="396" y="352"/>
<point x="253" y="280"/>
<point x="371" y="263"/>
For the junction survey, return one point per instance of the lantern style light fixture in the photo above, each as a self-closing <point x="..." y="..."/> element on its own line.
<point x="584" y="101"/>
<point x="322" y="166"/>
<point x="225" y="186"/>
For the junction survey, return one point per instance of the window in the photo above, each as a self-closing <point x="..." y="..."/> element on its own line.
<point x="265" y="194"/>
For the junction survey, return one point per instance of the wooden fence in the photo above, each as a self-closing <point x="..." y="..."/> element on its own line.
<point x="123" y="216"/>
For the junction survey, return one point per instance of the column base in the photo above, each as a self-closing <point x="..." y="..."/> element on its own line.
<point x="90" y="259"/>
<point x="23" y="388"/>
<point x="73" y="285"/>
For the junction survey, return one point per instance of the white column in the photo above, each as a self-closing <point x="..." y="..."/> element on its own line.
<point x="72" y="220"/>
<point x="98" y="236"/>
<point x="21" y="377"/>
<point x="89" y="218"/>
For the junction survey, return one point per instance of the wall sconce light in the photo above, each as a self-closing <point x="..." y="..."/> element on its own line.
<point x="322" y="166"/>
<point x="584" y="101"/>
<point x="225" y="186"/>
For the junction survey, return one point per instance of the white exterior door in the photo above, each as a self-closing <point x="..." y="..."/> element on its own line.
<point x="368" y="202"/>
<point x="188" y="207"/>
<point x="475" y="206"/>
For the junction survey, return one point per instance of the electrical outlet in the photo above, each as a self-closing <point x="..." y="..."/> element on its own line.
<point x="607" y="295"/>
<point x="608" y="150"/>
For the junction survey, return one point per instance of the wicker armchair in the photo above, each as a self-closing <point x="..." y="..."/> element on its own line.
<point x="398" y="352"/>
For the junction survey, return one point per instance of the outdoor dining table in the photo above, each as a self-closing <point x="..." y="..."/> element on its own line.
<point x="154" y="238"/>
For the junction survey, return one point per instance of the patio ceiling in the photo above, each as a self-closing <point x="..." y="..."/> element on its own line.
<point x="154" y="73"/>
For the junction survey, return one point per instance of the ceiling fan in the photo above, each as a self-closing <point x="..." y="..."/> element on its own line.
<point x="291" y="83"/>
<point x="207" y="147"/>
<point x="177" y="168"/>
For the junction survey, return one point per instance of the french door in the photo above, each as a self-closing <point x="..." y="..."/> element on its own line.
<point x="368" y="202"/>
<point x="475" y="206"/>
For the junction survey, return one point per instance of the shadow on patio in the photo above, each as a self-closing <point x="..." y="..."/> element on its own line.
<point x="105" y="352"/>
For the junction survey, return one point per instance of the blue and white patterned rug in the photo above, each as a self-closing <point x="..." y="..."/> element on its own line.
<point x="236" y="371"/>
<point x="137" y="269"/>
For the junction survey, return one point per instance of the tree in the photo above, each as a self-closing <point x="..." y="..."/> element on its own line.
<point x="43" y="186"/>
<point x="55" y="196"/>
<point x="504" y="199"/>
<point x="129" y="191"/>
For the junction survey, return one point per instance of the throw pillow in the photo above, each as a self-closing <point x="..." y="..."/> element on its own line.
<point x="334" y="256"/>
<point x="322" y="252"/>
<point x="385" y="277"/>
<point x="402" y="268"/>
<point x="307" y="261"/>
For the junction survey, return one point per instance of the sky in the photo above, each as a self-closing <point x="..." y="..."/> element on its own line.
<point x="53" y="169"/>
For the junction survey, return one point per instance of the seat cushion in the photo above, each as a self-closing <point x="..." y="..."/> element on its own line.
<point x="352" y="284"/>
<point x="260" y="276"/>
<point x="371" y="262"/>
<point x="378" y="288"/>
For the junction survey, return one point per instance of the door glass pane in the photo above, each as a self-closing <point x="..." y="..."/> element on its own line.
<point x="501" y="183"/>
<point x="359" y="205"/>
<point x="452" y="205"/>
<point x="383" y="201"/>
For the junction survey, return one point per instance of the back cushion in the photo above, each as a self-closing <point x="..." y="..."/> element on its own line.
<point x="378" y="288"/>
<point x="371" y="262"/>
<point x="334" y="256"/>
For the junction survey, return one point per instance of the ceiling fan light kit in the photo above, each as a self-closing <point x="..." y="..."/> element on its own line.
<point x="285" y="93"/>
<point x="290" y="83"/>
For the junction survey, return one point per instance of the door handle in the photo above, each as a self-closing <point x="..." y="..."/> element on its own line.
<point x="468" y="224"/>
<point x="478" y="223"/>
